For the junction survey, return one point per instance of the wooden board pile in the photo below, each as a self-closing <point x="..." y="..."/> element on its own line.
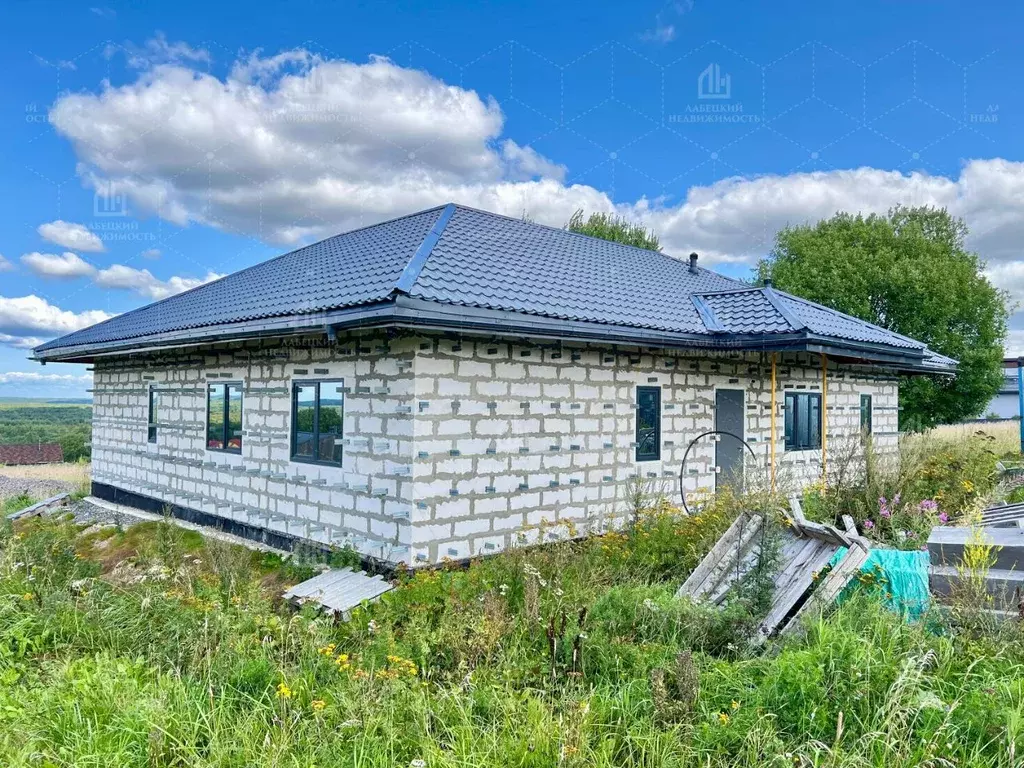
<point x="804" y="551"/>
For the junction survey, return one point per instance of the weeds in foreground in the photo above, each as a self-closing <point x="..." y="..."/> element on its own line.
<point x="897" y="498"/>
<point x="577" y="654"/>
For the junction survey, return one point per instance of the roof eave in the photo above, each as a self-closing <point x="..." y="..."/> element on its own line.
<point x="289" y="325"/>
<point x="404" y="311"/>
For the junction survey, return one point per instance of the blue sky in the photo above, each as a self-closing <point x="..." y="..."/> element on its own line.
<point x="147" y="148"/>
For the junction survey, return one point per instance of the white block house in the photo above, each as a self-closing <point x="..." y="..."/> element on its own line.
<point x="453" y="382"/>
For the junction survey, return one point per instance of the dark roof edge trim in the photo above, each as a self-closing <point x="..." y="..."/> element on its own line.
<point x="412" y="270"/>
<point x="707" y="314"/>
<point x="429" y="315"/>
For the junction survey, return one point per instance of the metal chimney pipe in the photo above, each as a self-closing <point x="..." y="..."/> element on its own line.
<point x="693" y="263"/>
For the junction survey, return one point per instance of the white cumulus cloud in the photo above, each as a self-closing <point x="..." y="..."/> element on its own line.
<point x="20" y="342"/>
<point x="144" y="283"/>
<point x="5" y="264"/>
<point x="26" y="320"/>
<point x="294" y="146"/>
<point x="63" y="266"/>
<point x="31" y="377"/>
<point x="66" y="234"/>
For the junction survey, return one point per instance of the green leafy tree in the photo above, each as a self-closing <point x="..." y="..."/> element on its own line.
<point x="614" y="228"/>
<point x="907" y="271"/>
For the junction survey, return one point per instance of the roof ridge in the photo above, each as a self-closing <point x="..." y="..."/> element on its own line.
<point x="707" y="314"/>
<point x="589" y="237"/>
<point x="920" y="344"/>
<point x="411" y="272"/>
<point x="789" y="317"/>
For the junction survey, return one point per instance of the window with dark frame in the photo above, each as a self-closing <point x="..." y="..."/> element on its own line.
<point x="224" y="417"/>
<point x="318" y="419"/>
<point x="154" y="396"/>
<point x="803" y="421"/>
<point x="865" y="415"/>
<point x="648" y="423"/>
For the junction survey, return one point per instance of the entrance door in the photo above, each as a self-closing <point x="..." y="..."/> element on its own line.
<point x="729" y="414"/>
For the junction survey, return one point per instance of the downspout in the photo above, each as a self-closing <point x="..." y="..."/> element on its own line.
<point x="774" y="433"/>
<point x="824" y="416"/>
<point x="1020" y="398"/>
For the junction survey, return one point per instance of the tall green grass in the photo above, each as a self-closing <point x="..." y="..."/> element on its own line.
<point x="175" y="652"/>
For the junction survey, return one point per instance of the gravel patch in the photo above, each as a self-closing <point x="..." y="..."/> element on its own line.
<point x="93" y="514"/>
<point x="37" y="489"/>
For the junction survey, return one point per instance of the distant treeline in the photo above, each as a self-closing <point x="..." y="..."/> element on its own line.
<point x="71" y="426"/>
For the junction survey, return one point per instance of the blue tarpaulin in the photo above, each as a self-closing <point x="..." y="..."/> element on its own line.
<point x="901" y="576"/>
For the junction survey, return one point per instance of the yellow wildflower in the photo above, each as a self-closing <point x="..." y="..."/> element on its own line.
<point x="283" y="691"/>
<point x="723" y="718"/>
<point x="318" y="705"/>
<point x="27" y="596"/>
<point x="735" y="704"/>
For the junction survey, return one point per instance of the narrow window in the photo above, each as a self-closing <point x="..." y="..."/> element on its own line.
<point x="154" y="397"/>
<point x="648" y="423"/>
<point x="865" y="415"/>
<point x="318" y="420"/>
<point x="803" y="421"/>
<point x="224" y="417"/>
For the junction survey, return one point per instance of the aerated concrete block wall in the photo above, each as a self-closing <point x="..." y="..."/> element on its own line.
<point x="366" y="503"/>
<point x="454" y="447"/>
<point x="521" y="442"/>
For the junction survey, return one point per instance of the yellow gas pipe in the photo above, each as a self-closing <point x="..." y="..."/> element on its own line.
<point x="824" y="415"/>
<point x="774" y="434"/>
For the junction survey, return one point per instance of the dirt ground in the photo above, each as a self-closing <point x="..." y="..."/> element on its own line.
<point x="42" y="480"/>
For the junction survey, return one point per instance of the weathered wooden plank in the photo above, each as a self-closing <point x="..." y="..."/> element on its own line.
<point x="830" y="587"/>
<point x="718" y="552"/>
<point x="41" y="506"/>
<point x="727" y="570"/>
<point x="747" y="564"/>
<point x="798" y="583"/>
<point x="797" y="561"/>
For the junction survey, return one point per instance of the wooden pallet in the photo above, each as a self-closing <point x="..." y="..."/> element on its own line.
<point x="60" y="500"/>
<point x="806" y="549"/>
